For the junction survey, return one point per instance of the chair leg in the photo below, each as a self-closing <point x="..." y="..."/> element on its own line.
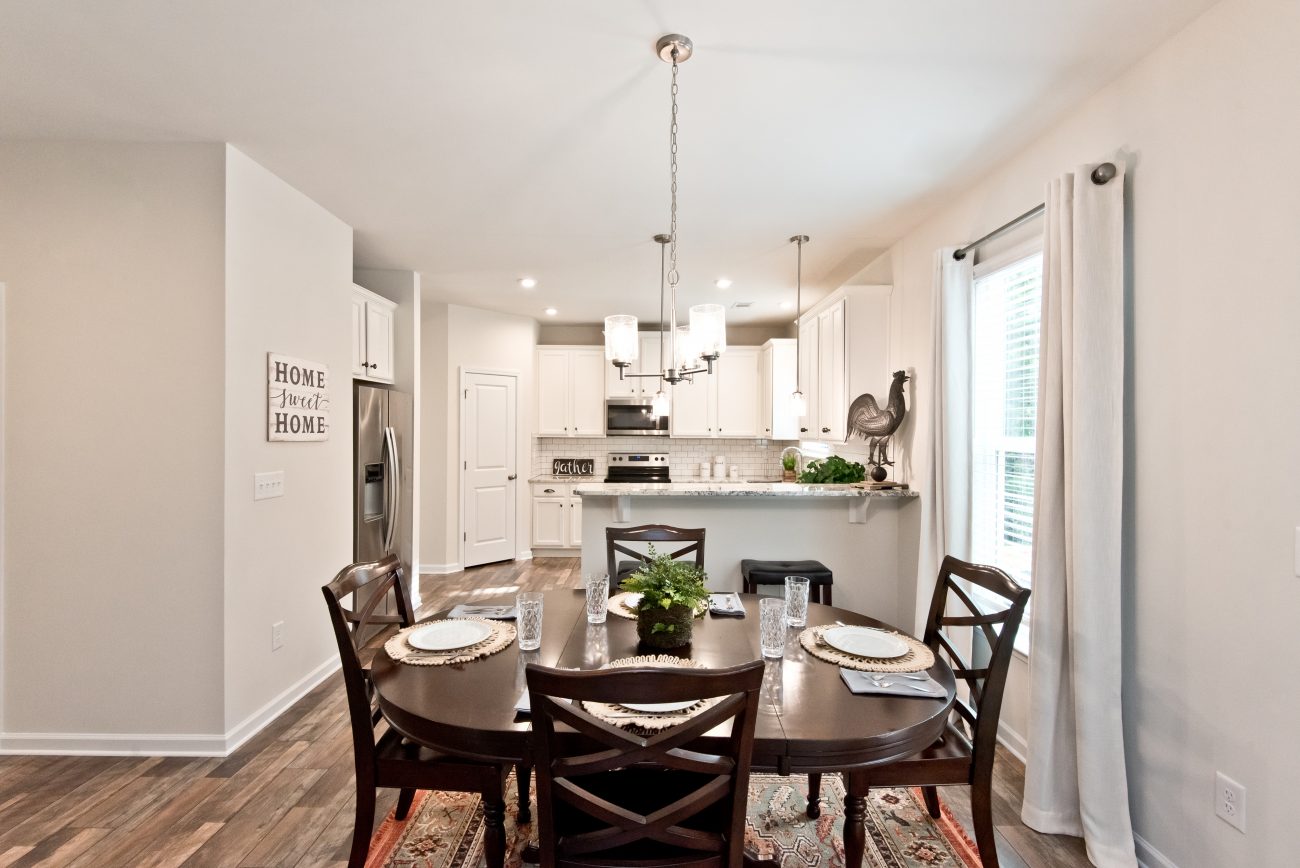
<point x="981" y="809"/>
<point x="814" y="795"/>
<point x="494" y="831"/>
<point x="523" y="782"/>
<point x="931" y="796"/>
<point x="404" y="799"/>
<point x="364" y="825"/>
<point x="826" y="595"/>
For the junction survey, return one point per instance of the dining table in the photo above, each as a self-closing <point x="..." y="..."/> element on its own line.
<point x="808" y="719"/>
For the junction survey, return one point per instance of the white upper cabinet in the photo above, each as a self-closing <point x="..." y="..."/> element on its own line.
<point x="721" y="404"/>
<point x="570" y="392"/>
<point x="830" y="373"/>
<point x="372" y="335"/>
<point x="843" y="353"/>
<point x="808" y="378"/>
<point x="647" y="363"/>
<point x="776" y="378"/>
<point x="691" y="413"/>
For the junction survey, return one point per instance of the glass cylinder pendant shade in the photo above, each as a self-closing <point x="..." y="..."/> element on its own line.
<point x="621" y="342"/>
<point x="798" y="405"/>
<point x="659" y="405"/>
<point x="709" y="329"/>
<point x="687" y="355"/>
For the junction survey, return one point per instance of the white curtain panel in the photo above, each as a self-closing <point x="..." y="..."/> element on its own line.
<point x="945" y="495"/>
<point x="1075" y="780"/>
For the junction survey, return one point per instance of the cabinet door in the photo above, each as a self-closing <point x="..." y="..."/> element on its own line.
<point x="689" y="416"/>
<point x="359" y="368"/>
<point x="549" y="514"/>
<point x="587" y="392"/>
<point x="628" y="387"/>
<point x="737" y="393"/>
<point x="552" y="393"/>
<point x="830" y="374"/>
<point x="575" y="522"/>
<point x="781" y="385"/>
<point x="808" y="380"/>
<point x="765" y="391"/>
<point x="379" y="340"/>
<point x="650" y="364"/>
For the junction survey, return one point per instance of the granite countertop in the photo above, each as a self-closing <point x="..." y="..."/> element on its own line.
<point x="551" y="477"/>
<point x="730" y="489"/>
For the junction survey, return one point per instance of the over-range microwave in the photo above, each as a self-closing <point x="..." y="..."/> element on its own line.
<point x="624" y="416"/>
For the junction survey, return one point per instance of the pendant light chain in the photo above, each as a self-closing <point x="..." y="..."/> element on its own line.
<point x="671" y="365"/>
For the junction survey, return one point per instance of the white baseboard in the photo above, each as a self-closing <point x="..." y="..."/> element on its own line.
<point x="439" y="569"/>
<point x="1013" y="741"/>
<point x="555" y="553"/>
<point x="1150" y="857"/>
<point x="164" y="744"/>
<point x="525" y="555"/>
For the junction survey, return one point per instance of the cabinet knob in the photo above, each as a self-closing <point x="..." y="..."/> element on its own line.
<point x="548" y="491"/>
<point x="803" y="430"/>
<point x="826" y="430"/>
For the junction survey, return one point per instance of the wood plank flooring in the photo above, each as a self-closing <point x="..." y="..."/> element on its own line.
<point x="285" y="798"/>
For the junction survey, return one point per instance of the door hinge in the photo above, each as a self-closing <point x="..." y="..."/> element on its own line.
<point x="465" y="536"/>
<point x="467" y="394"/>
<point x="466" y="467"/>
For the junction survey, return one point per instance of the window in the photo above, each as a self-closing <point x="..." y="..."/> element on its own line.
<point x="1005" y="319"/>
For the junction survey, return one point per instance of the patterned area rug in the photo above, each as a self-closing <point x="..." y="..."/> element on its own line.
<point x="444" y="830"/>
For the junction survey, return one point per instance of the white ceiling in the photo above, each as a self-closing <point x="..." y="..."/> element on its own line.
<point x="480" y="142"/>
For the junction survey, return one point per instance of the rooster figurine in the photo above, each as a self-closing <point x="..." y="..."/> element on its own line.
<point x="868" y="421"/>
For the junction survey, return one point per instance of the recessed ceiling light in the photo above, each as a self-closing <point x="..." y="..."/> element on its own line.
<point x="527" y="282"/>
<point x="786" y="305"/>
<point x="723" y="283"/>
<point x="550" y="311"/>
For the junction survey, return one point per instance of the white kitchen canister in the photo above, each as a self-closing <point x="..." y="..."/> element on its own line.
<point x="720" y="467"/>
<point x="705" y="470"/>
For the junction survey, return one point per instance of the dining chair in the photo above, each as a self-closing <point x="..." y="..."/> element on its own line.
<point x="651" y="533"/>
<point x="965" y="752"/>
<point x="607" y="796"/>
<point x="383" y="757"/>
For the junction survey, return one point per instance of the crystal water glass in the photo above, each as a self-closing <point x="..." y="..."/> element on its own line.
<point x="528" y="606"/>
<point x="771" y="626"/>
<point x="796" y="601"/>
<point x="597" y="596"/>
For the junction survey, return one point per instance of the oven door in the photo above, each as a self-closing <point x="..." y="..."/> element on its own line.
<point x="624" y="416"/>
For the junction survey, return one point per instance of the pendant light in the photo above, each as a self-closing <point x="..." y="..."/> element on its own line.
<point x="798" y="404"/>
<point x="706" y="334"/>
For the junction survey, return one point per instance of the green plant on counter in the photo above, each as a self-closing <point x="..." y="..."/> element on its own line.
<point x="789" y="462"/>
<point x="832" y="471"/>
<point x="670" y="593"/>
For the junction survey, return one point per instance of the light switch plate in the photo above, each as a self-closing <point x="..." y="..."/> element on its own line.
<point x="268" y="485"/>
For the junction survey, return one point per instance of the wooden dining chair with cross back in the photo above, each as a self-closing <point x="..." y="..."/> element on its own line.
<point x="607" y="796"/>
<point x="382" y="756"/>
<point x="964" y="753"/>
<point x="615" y="537"/>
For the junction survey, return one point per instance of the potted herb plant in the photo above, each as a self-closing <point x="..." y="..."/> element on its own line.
<point x="671" y="591"/>
<point x="788" y="465"/>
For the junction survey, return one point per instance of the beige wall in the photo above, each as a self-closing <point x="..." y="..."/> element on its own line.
<point x="1207" y="128"/>
<point x="112" y="256"/>
<point x="288" y="290"/>
<point x="432" y="493"/>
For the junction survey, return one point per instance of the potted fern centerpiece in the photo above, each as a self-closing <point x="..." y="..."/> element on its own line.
<point x="671" y="592"/>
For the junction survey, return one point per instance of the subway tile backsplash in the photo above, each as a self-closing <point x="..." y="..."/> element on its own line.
<point x="757" y="459"/>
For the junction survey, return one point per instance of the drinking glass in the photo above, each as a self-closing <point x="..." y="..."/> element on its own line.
<point x="771" y="626"/>
<point x="597" y="597"/>
<point x="528" y="606"/>
<point x="796" y="601"/>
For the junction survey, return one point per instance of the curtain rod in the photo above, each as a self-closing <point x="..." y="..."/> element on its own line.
<point x="1100" y="175"/>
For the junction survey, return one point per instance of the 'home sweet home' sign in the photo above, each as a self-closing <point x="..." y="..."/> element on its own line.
<point x="298" y="399"/>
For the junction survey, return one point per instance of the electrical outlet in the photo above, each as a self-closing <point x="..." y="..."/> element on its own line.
<point x="1230" y="801"/>
<point x="268" y="485"/>
<point x="277" y="635"/>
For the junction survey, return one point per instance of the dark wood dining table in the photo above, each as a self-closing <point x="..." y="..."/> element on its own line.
<point x="808" y="720"/>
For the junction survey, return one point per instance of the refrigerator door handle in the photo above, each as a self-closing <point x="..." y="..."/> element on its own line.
<point x="394" y="480"/>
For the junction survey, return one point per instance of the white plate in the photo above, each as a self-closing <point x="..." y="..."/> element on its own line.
<point x="630" y="600"/>
<point x="658" y="707"/>
<point x="448" y="635"/>
<point x="865" y="642"/>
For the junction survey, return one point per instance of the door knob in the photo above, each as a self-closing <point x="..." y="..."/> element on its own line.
<point x="512" y="476"/>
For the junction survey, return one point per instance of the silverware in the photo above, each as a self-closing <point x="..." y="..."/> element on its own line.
<point x="881" y="682"/>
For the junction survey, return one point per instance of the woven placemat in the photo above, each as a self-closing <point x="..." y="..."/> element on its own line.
<point x="618" y="605"/>
<point x="629" y="719"/>
<point x="918" y="657"/>
<point x="399" y="649"/>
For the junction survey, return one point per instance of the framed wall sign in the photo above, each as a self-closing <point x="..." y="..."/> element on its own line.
<point x="298" y="399"/>
<point x="573" y="466"/>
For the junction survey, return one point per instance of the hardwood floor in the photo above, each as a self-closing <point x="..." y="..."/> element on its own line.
<point x="286" y="797"/>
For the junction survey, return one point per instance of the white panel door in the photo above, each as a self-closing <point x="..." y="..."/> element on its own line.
<point x="379" y="341"/>
<point x="359" y="368"/>
<point x="808" y="380"/>
<point x="587" y="392"/>
<point x="548" y="522"/>
<point x="737" y="393"/>
<point x="830" y="373"/>
<point x="689" y="415"/>
<point x="553" y="393"/>
<point x="490" y="482"/>
<point x="575" y="522"/>
<point x="650" y="364"/>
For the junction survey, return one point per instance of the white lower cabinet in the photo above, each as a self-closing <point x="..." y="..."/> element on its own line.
<point x="575" y="521"/>
<point x="557" y="516"/>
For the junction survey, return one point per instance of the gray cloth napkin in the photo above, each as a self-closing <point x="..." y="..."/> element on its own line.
<point x="726" y="604"/>
<point x="524" y="704"/>
<point x="862" y="683"/>
<point x="501" y="613"/>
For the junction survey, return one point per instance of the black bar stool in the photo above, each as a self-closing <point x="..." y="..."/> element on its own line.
<point x="756" y="572"/>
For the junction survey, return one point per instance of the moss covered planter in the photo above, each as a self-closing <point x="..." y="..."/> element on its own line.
<point x="674" y="628"/>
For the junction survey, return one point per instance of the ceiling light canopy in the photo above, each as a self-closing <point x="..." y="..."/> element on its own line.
<point x="694" y="348"/>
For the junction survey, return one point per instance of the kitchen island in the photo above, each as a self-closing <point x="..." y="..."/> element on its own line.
<point x="853" y="531"/>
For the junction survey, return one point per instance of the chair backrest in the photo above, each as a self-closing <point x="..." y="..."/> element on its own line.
<point x="369" y="585"/>
<point x="986" y="684"/>
<point x="630" y="817"/>
<point x="615" y="536"/>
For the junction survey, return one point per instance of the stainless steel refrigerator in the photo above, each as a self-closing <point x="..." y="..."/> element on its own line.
<point x="381" y="463"/>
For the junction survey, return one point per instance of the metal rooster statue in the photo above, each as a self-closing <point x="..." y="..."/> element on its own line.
<point x="868" y="421"/>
